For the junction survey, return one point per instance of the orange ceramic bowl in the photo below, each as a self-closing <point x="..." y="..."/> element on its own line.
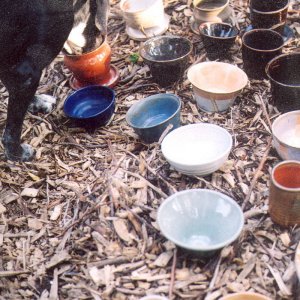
<point x="92" y="66"/>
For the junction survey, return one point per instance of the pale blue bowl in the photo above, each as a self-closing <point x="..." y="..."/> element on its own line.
<point x="151" y="116"/>
<point x="200" y="220"/>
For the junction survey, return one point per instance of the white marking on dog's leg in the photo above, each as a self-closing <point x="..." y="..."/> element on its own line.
<point x="42" y="103"/>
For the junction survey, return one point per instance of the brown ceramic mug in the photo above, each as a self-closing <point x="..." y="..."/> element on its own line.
<point x="284" y="198"/>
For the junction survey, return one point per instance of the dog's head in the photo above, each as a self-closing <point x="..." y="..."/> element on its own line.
<point x="90" y="25"/>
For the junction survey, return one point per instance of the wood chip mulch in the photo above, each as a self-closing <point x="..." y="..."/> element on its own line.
<point x="79" y="222"/>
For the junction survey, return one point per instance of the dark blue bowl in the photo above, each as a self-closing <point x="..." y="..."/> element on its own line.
<point x="91" y="106"/>
<point x="151" y="116"/>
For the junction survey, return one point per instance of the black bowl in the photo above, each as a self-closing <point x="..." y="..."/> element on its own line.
<point x="218" y="38"/>
<point x="167" y="58"/>
<point x="91" y="107"/>
<point x="259" y="46"/>
<point x="284" y="75"/>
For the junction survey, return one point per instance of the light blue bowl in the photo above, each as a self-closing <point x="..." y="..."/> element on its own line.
<point x="151" y="116"/>
<point x="200" y="220"/>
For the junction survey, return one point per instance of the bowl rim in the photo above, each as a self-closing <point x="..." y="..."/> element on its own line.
<point x="210" y="9"/>
<point x="201" y="248"/>
<point x="202" y="64"/>
<point x="276" y="121"/>
<point x="112" y="101"/>
<point x="278" y="185"/>
<point x="182" y="128"/>
<point x="155" y="97"/>
<point x="278" y="58"/>
<point x="142" y="47"/>
<point x="262" y="30"/>
<point x="218" y="37"/>
<point x="270" y="12"/>
<point x="124" y="11"/>
<point x="263" y="297"/>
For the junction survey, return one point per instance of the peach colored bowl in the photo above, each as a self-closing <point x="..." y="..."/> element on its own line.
<point x="245" y="296"/>
<point x="92" y="66"/>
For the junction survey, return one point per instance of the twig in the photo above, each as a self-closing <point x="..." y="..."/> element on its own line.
<point x="173" y="274"/>
<point x="257" y="173"/>
<point x="13" y="273"/>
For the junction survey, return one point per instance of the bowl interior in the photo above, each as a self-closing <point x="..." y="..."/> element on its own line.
<point x="132" y="6"/>
<point x="286" y="129"/>
<point x="153" y="110"/>
<point x="268" y="6"/>
<point x="285" y="69"/>
<point x="209" y="4"/>
<point x="196" y="144"/>
<point x="166" y="48"/>
<point x="218" y="30"/>
<point x="200" y="219"/>
<point x="245" y="296"/>
<point x="217" y="77"/>
<point x="88" y="102"/>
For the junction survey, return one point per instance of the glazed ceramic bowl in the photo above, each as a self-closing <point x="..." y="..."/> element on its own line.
<point x="151" y="116"/>
<point x="142" y="13"/>
<point x="167" y="58"/>
<point x="90" y="107"/>
<point x="283" y="73"/>
<point x="200" y="220"/>
<point x="197" y="149"/>
<point x="259" y="46"/>
<point x="216" y="84"/>
<point x="286" y="135"/>
<point x="218" y="38"/>
<point x="245" y="296"/>
<point x="208" y="10"/>
<point x="92" y="68"/>
<point x="269" y="14"/>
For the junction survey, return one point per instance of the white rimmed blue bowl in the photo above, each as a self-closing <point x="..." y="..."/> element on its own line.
<point x="200" y="220"/>
<point x="197" y="149"/>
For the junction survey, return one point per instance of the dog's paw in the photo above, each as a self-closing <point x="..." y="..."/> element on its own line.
<point x="26" y="153"/>
<point x="42" y="104"/>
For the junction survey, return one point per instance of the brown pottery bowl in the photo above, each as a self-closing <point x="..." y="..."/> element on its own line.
<point x="90" y="68"/>
<point x="245" y="296"/>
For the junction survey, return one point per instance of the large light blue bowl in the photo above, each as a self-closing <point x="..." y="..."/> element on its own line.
<point x="200" y="220"/>
<point x="151" y="116"/>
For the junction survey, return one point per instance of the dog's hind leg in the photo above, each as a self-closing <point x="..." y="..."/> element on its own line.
<point x="21" y="83"/>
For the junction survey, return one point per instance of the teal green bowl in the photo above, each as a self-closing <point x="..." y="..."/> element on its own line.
<point x="200" y="220"/>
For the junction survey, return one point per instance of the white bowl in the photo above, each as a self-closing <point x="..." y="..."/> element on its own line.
<point x="197" y="149"/>
<point x="286" y="135"/>
<point x="143" y="13"/>
<point x="216" y="84"/>
<point x="200" y="220"/>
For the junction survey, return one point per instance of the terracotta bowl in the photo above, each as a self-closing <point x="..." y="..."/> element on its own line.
<point x="91" y="68"/>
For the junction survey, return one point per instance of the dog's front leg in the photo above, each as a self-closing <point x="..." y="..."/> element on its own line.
<point x="21" y="83"/>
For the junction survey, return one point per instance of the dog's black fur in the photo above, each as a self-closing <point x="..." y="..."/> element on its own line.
<point x="32" y="33"/>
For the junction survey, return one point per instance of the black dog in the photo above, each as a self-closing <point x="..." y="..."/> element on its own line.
<point x="32" y="33"/>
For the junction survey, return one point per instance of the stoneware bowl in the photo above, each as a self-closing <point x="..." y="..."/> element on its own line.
<point x="284" y="75"/>
<point x="142" y="13"/>
<point x="197" y="149"/>
<point x="245" y="296"/>
<point x="151" y="116"/>
<point x="269" y="14"/>
<point x="286" y="135"/>
<point x="259" y="46"/>
<point x="200" y="220"/>
<point x="207" y="10"/>
<point x="218" y="38"/>
<point x="216" y="84"/>
<point x="284" y="195"/>
<point x="92" y="68"/>
<point x="167" y="58"/>
<point x="90" y="107"/>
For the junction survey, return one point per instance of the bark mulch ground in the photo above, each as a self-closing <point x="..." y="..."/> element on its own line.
<point x="79" y="222"/>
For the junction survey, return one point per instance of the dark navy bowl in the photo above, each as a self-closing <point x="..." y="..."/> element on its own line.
<point x="151" y="116"/>
<point x="218" y="38"/>
<point x="91" y="107"/>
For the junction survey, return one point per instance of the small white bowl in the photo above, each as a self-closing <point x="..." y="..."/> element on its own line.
<point x="286" y="135"/>
<point x="197" y="149"/>
<point x="143" y="13"/>
<point x="200" y="220"/>
<point x="216" y="84"/>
